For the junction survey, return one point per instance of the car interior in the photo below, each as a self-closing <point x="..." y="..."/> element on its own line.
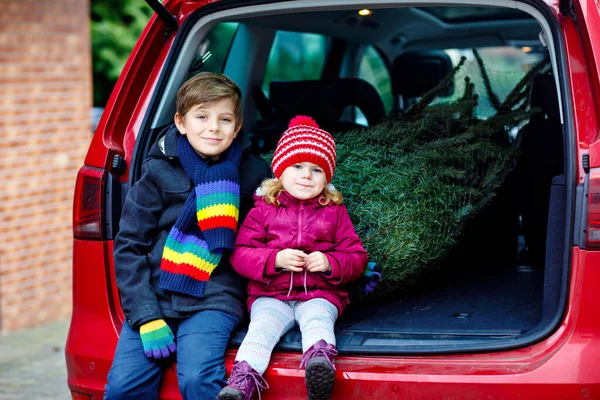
<point x="503" y="288"/>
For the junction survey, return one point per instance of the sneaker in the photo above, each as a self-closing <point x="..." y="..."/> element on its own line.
<point x="319" y="374"/>
<point x="243" y="382"/>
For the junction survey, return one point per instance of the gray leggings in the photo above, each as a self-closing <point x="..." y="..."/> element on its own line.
<point x="270" y="319"/>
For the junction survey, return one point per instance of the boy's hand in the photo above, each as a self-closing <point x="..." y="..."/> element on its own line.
<point x="157" y="339"/>
<point x="290" y="260"/>
<point x="317" y="262"/>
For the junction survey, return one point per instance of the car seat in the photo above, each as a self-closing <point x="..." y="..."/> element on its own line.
<point x="414" y="73"/>
<point x="323" y="100"/>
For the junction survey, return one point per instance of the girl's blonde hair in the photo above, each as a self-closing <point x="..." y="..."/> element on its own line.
<point x="272" y="188"/>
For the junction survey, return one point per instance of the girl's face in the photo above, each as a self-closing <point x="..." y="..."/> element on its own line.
<point x="210" y="128"/>
<point x="303" y="180"/>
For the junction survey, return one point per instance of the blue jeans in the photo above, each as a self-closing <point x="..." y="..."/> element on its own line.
<point x="201" y="343"/>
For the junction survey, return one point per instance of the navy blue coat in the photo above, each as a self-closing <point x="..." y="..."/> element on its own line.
<point x="150" y="210"/>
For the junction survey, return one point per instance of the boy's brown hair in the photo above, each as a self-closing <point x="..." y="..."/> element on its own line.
<point x="207" y="88"/>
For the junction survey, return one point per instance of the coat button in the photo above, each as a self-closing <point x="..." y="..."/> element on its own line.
<point x="149" y="255"/>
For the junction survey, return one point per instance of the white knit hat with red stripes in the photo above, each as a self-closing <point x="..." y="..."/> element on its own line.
<point x="304" y="141"/>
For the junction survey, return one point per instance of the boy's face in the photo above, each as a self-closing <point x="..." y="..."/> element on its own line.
<point x="303" y="180"/>
<point x="210" y="128"/>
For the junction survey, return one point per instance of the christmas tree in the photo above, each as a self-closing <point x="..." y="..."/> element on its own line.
<point x="413" y="182"/>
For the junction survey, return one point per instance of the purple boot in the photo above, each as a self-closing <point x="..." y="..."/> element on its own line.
<point x="243" y="382"/>
<point x="319" y="375"/>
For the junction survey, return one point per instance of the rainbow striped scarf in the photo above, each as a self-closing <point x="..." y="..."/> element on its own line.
<point x="207" y="223"/>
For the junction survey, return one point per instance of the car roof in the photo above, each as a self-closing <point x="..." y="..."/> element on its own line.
<point x="415" y="27"/>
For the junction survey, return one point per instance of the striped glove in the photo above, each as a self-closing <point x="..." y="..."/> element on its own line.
<point x="157" y="339"/>
<point x="368" y="281"/>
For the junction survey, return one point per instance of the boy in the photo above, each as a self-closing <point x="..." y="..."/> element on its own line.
<point x="178" y="290"/>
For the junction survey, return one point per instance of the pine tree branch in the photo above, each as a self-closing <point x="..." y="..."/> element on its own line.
<point x="486" y="81"/>
<point x="520" y="92"/>
<point x="428" y="97"/>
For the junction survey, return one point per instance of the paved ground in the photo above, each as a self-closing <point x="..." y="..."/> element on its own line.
<point x="32" y="363"/>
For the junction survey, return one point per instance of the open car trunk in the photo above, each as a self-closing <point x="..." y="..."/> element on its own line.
<point x="468" y="311"/>
<point x="485" y="305"/>
<point x="478" y="300"/>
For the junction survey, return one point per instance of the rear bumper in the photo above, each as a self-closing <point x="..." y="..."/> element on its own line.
<point x="570" y="373"/>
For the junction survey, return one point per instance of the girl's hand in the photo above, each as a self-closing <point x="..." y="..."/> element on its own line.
<point x="317" y="262"/>
<point x="290" y="260"/>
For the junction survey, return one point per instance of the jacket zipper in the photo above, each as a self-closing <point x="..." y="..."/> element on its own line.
<point x="300" y="226"/>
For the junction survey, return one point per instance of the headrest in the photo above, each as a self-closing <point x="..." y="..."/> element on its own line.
<point x="417" y="72"/>
<point x="544" y="95"/>
<point x="325" y="100"/>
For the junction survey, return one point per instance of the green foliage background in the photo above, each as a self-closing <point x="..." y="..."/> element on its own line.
<point x="115" y="28"/>
<point x="295" y="57"/>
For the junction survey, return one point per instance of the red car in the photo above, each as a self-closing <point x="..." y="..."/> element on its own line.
<point x="522" y="323"/>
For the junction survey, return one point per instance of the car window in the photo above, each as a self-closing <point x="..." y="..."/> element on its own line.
<point x="295" y="56"/>
<point x="505" y="66"/>
<point x="374" y="70"/>
<point x="214" y="48"/>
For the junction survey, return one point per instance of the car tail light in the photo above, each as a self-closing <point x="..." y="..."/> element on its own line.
<point x="88" y="218"/>
<point x="592" y="232"/>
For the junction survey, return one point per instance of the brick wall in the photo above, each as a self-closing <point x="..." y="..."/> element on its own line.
<point x="45" y="100"/>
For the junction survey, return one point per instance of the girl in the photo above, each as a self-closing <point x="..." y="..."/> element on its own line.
<point x="298" y="248"/>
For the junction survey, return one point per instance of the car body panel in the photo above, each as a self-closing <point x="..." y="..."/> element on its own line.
<point x="582" y="99"/>
<point x="588" y="16"/>
<point x="127" y="105"/>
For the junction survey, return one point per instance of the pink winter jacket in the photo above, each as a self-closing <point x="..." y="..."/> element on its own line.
<point x="304" y="225"/>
